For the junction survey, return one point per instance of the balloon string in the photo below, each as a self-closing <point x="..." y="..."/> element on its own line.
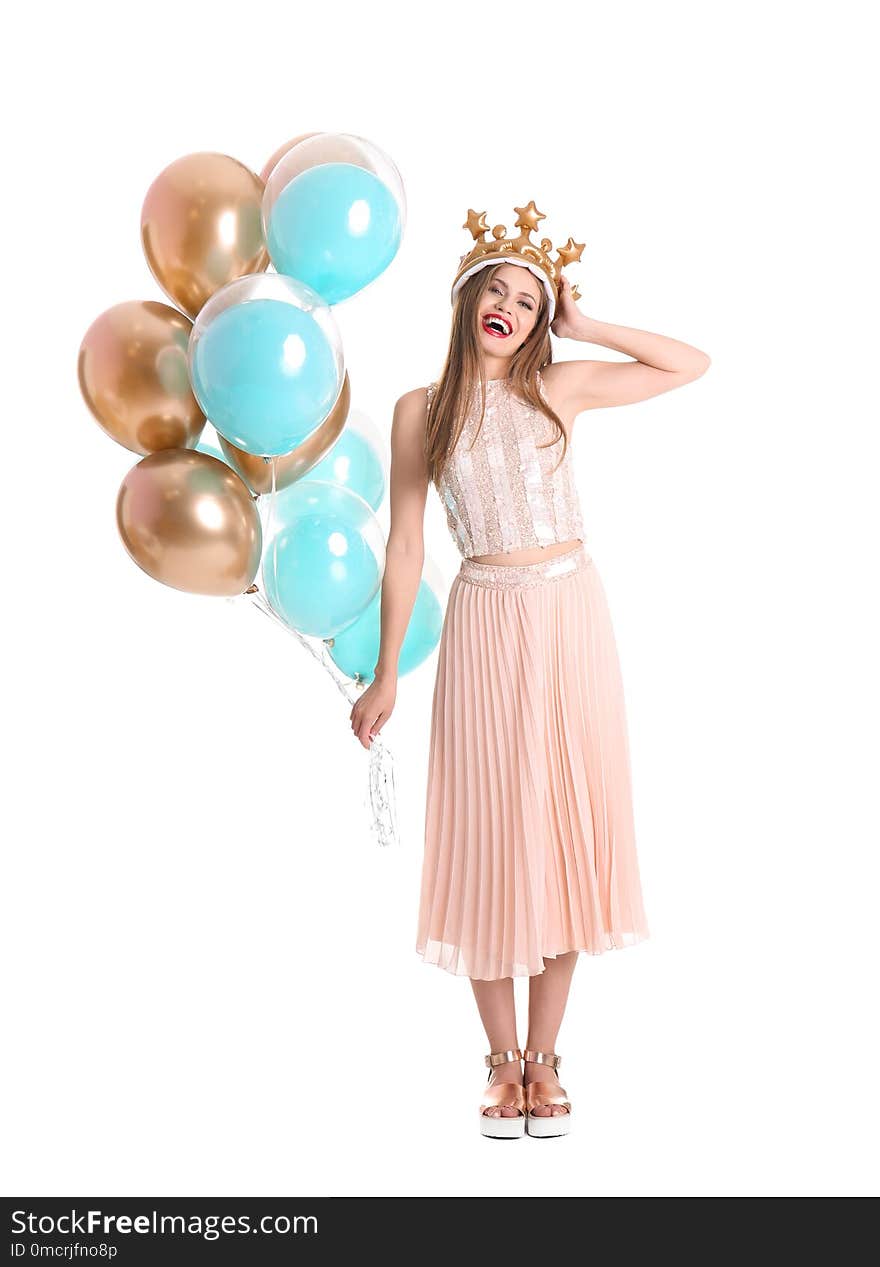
<point x="275" y="536"/>
<point x="383" y="800"/>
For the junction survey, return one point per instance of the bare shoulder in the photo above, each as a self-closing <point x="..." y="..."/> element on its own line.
<point x="408" y="425"/>
<point x="416" y="399"/>
<point x="411" y="411"/>
<point x="556" y="392"/>
<point x="556" y="380"/>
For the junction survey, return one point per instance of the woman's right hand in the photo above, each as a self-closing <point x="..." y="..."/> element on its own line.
<point x="373" y="708"/>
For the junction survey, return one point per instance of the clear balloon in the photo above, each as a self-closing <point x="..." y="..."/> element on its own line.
<point x="356" y="460"/>
<point x="323" y="563"/>
<point x="258" y="472"/>
<point x="271" y="162"/>
<point x="333" y="147"/>
<point x="356" y="649"/>
<point x="266" y="363"/>
<point x="334" y="213"/>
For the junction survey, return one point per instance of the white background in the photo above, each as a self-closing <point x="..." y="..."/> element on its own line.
<point x="210" y="976"/>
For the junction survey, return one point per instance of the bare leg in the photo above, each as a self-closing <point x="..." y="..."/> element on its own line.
<point x="548" y="995"/>
<point x="498" y="1014"/>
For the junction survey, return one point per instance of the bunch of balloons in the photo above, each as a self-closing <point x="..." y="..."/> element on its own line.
<point x="254" y="264"/>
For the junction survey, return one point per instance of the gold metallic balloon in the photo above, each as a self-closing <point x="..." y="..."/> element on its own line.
<point x="201" y="227"/>
<point x="280" y="152"/>
<point x="189" y="522"/>
<point x="293" y="466"/>
<point x="133" y="376"/>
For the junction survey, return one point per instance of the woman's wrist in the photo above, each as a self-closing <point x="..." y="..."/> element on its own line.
<point x="385" y="673"/>
<point x="586" y="330"/>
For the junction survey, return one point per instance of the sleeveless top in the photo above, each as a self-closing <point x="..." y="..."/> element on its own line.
<point x="499" y="490"/>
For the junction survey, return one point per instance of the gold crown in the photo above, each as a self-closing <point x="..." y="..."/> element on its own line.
<point x="500" y="248"/>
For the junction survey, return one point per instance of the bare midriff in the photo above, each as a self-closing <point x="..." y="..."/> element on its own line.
<point x="533" y="555"/>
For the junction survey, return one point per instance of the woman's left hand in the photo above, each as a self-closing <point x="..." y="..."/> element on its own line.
<point x="568" y="316"/>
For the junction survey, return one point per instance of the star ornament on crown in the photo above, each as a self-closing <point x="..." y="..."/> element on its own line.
<point x="500" y="249"/>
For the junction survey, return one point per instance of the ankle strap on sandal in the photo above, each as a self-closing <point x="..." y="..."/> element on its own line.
<point x="503" y="1057"/>
<point x="542" y="1058"/>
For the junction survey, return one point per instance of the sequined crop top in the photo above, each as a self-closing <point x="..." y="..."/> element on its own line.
<point x="499" y="489"/>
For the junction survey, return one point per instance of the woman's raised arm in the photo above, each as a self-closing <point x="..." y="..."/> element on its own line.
<point x="660" y="364"/>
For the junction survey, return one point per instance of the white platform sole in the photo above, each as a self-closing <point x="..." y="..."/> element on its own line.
<point x="502" y="1127"/>
<point x="547" y="1127"/>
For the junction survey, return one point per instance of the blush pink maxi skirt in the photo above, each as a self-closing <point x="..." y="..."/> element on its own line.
<point x="529" y="836"/>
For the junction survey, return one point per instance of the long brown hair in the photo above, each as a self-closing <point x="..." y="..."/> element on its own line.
<point x="463" y="369"/>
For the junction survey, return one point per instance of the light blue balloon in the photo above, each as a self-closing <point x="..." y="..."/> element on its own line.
<point x="265" y="374"/>
<point x="353" y="463"/>
<point x="356" y="649"/>
<point x="324" y="563"/>
<point x="336" y="226"/>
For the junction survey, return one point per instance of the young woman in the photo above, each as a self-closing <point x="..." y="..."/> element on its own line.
<point x="530" y="852"/>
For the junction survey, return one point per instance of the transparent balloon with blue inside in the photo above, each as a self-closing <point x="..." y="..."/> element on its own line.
<point x="265" y="362"/>
<point x="334" y="211"/>
<point x="357" y="459"/>
<point x="356" y="650"/>
<point x="324" y="560"/>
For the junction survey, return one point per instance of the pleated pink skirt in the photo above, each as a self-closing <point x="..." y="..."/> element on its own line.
<point x="529" y="835"/>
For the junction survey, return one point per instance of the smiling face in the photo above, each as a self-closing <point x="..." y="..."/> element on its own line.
<point x="506" y="315"/>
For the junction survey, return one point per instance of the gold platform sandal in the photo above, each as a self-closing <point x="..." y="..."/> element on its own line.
<point x="541" y="1095"/>
<point x="508" y="1095"/>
